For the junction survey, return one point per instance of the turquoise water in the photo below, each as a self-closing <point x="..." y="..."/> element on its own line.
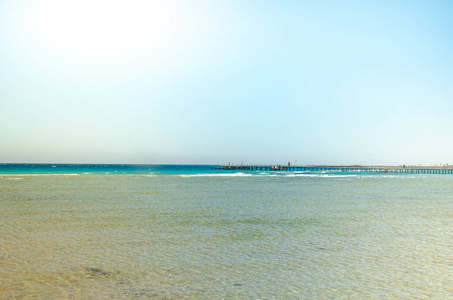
<point x="102" y="168"/>
<point x="198" y="234"/>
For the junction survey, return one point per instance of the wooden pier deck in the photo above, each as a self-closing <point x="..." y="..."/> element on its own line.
<point x="340" y="169"/>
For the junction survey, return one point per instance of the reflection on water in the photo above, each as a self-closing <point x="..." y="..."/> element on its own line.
<point x="211" y="237"/>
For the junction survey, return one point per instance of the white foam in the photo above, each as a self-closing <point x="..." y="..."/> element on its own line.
<point x="301" y="175"/>
<point x="320" y="175"/>
<point x="238" y="174"/>
<point x="339" y="176"/>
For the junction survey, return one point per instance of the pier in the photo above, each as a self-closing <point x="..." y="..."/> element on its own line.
<point x="340" y="169"/>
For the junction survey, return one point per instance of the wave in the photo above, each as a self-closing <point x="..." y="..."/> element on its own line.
<point x="238" y="174"/>
<point x="264" y="174"/>
<point x="320" y="175"/>
<point x="296" y="174"/>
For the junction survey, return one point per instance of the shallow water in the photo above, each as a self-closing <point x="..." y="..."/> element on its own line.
<point x="235" y="236"/>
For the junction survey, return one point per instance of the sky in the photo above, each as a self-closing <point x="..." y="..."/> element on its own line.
<point x="213" y="82"/>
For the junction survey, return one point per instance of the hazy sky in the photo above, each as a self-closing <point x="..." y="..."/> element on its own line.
<point x="320" y="82"/>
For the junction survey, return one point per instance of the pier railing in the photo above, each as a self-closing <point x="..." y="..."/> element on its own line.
<point x="341" y="169"/>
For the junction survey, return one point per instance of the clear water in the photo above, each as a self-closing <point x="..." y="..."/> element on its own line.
<point x="198" y="234"/>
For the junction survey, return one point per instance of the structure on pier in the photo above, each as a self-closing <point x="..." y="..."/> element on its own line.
<point x="341" y="169"/>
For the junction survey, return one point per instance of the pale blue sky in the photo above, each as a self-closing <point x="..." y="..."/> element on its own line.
<point x="207" y="82"/>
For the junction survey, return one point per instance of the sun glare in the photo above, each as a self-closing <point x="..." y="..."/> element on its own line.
<point x="101" y="30"/>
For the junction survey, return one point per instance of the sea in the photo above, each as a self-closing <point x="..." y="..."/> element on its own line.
<point x="72" y="231"/>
